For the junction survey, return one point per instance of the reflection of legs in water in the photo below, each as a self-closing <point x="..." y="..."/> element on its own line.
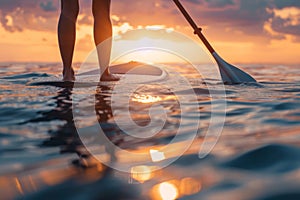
<point x="102" y="37"/>
<point x="104" y="114"/>
<point x="67" y="35"/>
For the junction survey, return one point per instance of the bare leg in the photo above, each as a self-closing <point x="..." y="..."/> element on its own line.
<point x="103" y="37"/>
<point x="67" y="36"/>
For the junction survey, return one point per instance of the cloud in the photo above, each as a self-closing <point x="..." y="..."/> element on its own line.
<point x="85" y="19"/>
<point x="285" y="26"/>
<point x="220" y="3"/>
<point x="48" y="6"/>
<point x="213" y="3"/>
<point x="246" y="16"/>
<point x="153" y="33"/>
<point x="286" y="3"/>
<point x="85" y="43"/>
<point x="18" y="15"/>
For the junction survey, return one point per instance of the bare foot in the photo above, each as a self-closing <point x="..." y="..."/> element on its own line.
<point x="68" y="75"/>
<point x="109" y="77"/>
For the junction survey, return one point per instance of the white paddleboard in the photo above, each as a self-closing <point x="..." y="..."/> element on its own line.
<point x="130" y="73"/>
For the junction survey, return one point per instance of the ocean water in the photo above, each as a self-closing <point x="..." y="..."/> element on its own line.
<point x="257" y="155"/>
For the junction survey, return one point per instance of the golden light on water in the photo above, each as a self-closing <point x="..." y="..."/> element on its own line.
<point x="145" y="98"/>
<point x="141" y="173"/>
<point x="189" y="186"/>
<point x="174" y="189"/>
<point x="19" y="186"/>
<point x="168" y="191"/>
<point x="156" y="155"/>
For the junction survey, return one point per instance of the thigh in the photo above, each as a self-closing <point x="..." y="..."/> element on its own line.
<point x="69" y="5"/>
<point x="101" y="7"/>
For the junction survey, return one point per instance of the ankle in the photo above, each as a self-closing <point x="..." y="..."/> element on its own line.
<point x="68" y="70"/>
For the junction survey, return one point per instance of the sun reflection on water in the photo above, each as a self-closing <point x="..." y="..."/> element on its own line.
<point x="157" y="156"/>
<point x="189" y="186"/>
<point x="174" y="189"/>
<point x="141" y="173"/>
<point x="168" y="191"/>
<point x="145" y="98"/>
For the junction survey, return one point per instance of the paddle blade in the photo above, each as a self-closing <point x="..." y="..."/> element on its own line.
<point x="231" y="74"/>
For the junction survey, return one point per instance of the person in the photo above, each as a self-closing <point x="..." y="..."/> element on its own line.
<point x="102" y="36"/>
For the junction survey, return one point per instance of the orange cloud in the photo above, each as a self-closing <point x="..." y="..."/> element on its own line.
<point x="241" y="30"/>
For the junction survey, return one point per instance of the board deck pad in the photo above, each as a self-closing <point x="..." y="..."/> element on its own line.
<point x="130" y="73"/>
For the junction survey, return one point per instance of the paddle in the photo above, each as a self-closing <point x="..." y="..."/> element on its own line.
<point x="229" y="73"/>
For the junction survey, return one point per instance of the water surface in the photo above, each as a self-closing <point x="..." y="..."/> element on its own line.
<point x="256" y="157"/>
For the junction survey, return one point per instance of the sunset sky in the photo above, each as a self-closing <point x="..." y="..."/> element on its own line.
<point x="242" y="31"/>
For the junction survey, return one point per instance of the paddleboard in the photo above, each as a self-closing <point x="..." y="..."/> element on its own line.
<point x="130" y="73"/>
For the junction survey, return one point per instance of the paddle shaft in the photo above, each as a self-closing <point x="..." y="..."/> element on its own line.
<point x="197" y="30"/>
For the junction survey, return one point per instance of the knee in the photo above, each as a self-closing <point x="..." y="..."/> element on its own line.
<point x="100" y="13"/>
<point x="102" y="17"/>
<point x="70" y="11"/>
<point x="101" y="10"/>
